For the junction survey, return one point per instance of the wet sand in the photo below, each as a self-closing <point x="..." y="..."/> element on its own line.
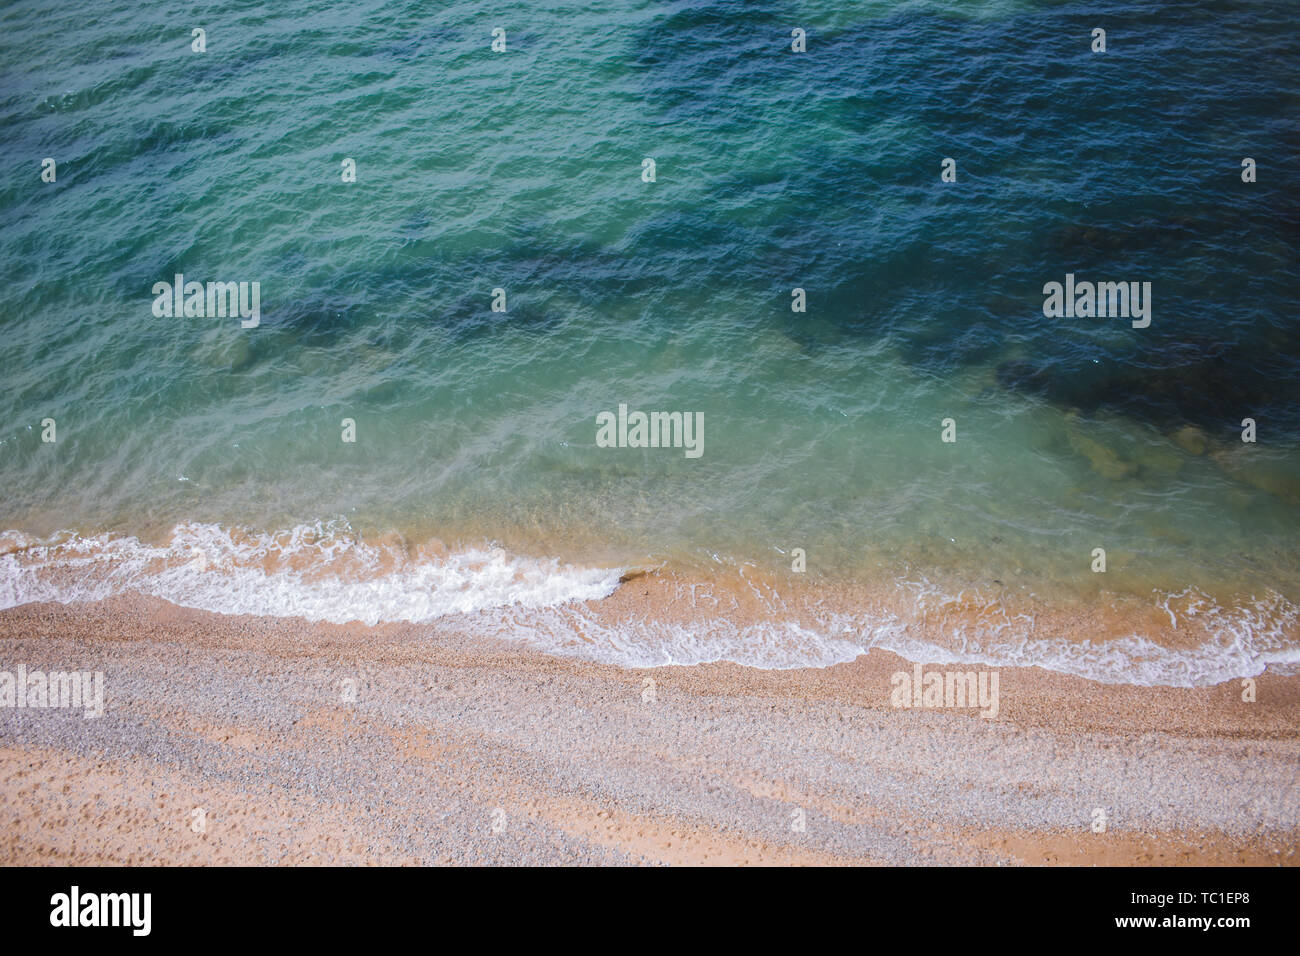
<point x="449" y="746"/>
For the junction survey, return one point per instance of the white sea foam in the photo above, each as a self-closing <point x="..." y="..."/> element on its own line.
<point x="318" y="572"/>
<point x="324" y="572"/>
<point x="646" y="642"/>
<point x="641" y="643"/>
<point x="1231" y="643"/>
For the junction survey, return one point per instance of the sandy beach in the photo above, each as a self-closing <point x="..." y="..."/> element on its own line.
<point x="245" y="740"/>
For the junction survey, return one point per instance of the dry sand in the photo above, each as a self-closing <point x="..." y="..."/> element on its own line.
<point x="460" y="749"/>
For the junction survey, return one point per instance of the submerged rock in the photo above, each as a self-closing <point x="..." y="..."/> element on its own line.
<point x="1170" y="385"/>
<point x="1104" y="460"/>
<point x="1264" y="475"/>
<point x="1154" y="455"/>
<point x="1191" y="440"/>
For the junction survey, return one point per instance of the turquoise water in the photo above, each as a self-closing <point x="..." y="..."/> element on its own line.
<point x="522" y="171"/>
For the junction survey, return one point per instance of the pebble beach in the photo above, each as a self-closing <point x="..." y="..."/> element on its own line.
<point x="230" y="740"/>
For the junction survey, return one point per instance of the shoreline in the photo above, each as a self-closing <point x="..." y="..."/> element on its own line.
<point x="460" y="748"/>
<point x="649" y="614"/>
